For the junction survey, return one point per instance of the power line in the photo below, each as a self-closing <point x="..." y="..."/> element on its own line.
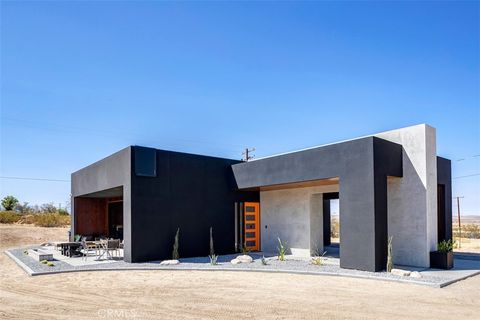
<point x="35" y="179"/>
<point x="469" y="175"/>
<point x="124" y="134"/>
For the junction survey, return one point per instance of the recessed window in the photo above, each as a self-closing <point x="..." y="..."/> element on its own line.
<point x="145" y="162"/>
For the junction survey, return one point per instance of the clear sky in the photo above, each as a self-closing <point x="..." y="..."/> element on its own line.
<point x="81" y="80"/>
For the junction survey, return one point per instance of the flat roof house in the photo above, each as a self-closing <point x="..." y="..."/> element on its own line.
<point x="388" y="184"/>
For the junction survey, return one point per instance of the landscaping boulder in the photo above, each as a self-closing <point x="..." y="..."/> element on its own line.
<point x="245" y="258"/>
<point x="415" y="274"/>
<point x="169" y="262"/>
<point x="400" y="272"/>
<point x="242" y="259"/>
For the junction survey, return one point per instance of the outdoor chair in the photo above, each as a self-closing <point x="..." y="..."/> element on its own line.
<point x="87" y="248"/>
<point x="113" y="246"/>
<point x="107" y="247"/>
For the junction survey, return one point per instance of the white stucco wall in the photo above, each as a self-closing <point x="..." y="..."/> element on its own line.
<point x="412" y="200"/>
<point x="294" y="215"/>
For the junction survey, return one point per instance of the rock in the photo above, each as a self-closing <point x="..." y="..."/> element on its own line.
<point x="400" y="272"/>
<point x="245" y="258"/>
<point x="242" y="259"/>
<point x="169" y="262"/>
<point x="415" y="274"/>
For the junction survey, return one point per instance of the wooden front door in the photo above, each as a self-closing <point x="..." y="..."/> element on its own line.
<point x="252" y="225"/>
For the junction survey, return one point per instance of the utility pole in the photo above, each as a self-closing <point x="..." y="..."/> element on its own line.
<point x="459" y="223"/>
<point x="247" y="154"/>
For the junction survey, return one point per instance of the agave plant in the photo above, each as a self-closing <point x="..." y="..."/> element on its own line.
<point x="281" y="249"/>
<point x="213" y="257"/>
<point x="175" y="255"/>
<point x="389" y="255"/>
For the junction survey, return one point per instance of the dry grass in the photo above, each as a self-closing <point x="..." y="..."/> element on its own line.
<point x="37" y="219"/>
<point x="215" y="295"/>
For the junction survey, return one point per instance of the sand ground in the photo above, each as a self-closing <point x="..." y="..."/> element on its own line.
<point x="215" y="295"/>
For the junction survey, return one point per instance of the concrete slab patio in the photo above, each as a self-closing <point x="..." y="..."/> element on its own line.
<point x="430" y="277"/>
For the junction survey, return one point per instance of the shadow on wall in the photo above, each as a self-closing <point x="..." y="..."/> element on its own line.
<point x="406" y="200"/>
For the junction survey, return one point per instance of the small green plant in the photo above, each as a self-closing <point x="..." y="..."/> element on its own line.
<point x="213" y="257"/>
<point x="77" y="237"/>
<point x="50" y="264"/>
<point x="389" y="254"/>
<point x="44" y="261"/>
<point x="264" y="261"/>
<point x="445" y="246"/>
<point x="318" y="259"/>
<point x="245" y="249"/>
<point x="25" y="252"/>
<point x="175" y="255"/>
<point x="281" y="249"/>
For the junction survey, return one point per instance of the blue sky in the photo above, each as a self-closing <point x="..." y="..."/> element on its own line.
<point x="80" y="80"/>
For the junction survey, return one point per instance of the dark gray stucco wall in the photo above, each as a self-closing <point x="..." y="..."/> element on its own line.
<point x="444" y="177"/>
<point x="362" y="166"/>
<point x="191" y="192"/>
<point x="110" y="172"/>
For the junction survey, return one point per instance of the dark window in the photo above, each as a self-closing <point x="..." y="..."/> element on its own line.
<point x="249" y="218"/>
<point x="249" y="226"/>
<point x="145" y="162"/>
<point x="250" y="234"/>
<point x="250" y="209"/>
<point x="250" y="243"/>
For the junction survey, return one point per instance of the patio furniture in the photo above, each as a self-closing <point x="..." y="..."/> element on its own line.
<point x="88" y="247"/>
<point x="70" y="249"/>
<point x="106" y="247"/>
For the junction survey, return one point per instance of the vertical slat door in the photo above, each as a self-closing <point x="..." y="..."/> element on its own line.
<point x="252" y="225"/>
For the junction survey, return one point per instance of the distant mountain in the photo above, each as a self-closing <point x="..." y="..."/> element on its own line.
<point x="467" y="219"/>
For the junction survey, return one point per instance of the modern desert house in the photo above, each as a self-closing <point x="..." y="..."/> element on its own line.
<point x="388" y="184"/>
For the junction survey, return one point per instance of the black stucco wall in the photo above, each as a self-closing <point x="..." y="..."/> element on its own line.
<point x="444" y="177"/>
<point x="191" y="192"/>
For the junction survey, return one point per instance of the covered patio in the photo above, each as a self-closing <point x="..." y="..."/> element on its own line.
<point x="99" y="215"/>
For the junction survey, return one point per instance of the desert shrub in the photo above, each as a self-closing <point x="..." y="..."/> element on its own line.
<point x="50" y="264"/>
<point x="50" y="220"/>
<point x="469" y="230"/>
<point x="44" y="261"/>
<point x="23" y="208"/>
<point x="335" y="228"/>
<point x="9" y="217"/>
<point x="264" y="261"/>
<point x="63" y="212"/>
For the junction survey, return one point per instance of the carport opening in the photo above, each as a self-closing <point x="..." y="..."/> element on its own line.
<point x="99" y="214"/>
